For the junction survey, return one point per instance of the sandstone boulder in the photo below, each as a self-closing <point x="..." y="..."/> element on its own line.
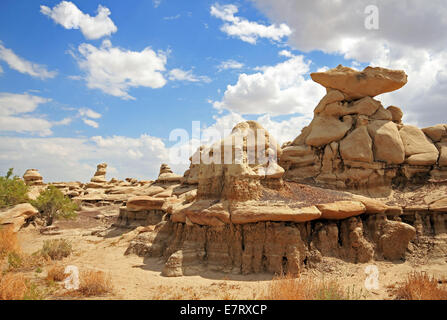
<point x="17" y="215"/>
<point x="359" y="84"/>
<point x="326" y="129"/>
<point x="419" y="150"/>
<point x="140" y="203"/>
<point x="357" y="146"/>
<point x="100" y="174"/>
<point x="396" y="113"/>
<point x="341" y="209"/>
<point x="436" y="133"/>
<point x="388" y="146"/>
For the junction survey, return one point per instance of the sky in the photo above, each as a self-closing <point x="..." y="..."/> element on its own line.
<point x="84" y="82"/>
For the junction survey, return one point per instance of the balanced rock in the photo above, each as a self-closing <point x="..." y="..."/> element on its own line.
<point x="32" y="177"/>
<point x="100" y="174"/>
<point x="359" y="84"/>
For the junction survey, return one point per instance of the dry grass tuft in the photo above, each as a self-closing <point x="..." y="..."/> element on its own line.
<point x="8" y="241"/>
<point x="94" y="283"/>
<point x="56" y="249"/>
<point x="287" y="287"/>
<point x="13" y="286"/>
<point x="420" y="286"/>
<point x="56" y="273"/>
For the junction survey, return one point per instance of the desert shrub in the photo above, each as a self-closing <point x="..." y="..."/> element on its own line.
<point x="20" y="262"/>
<point x="56" y="249"/>
<point x="52" y="203"/>
<point x="8" y="241"/>
<point x="94" y="283"/>
<point x="13" y="286"/>
<point x="287" y="287"/>
<point x="420" y="286"/>
<point x="12" y="190"/>
<point x="56" y="273"/>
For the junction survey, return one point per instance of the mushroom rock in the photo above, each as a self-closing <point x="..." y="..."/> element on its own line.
<point x="359" y="84"/>
<point x="32" y="177"/>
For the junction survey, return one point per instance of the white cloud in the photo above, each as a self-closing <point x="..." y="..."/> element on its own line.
<point x="115" y="71"/>
<point x="245" y="30"/>
<point x="89" y="113"/>
<point x="12" y="103"/>
<point x="182" y="75"/>
<point x="15" y="114"/>
<point x="69" y="16"/>
<point x="156" y="3"/>
<point x="417" y="45"/>
<point x="230" y="64"/>
<point x="74" y="159"/>
<point x="172" y="17"/>
<point x="23" y="66"/>
<point x="1" y="69"/>
<point x="91" y="123"/>
<point x="279" y="89"/>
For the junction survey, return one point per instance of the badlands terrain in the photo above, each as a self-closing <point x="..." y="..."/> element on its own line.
<point x="357" y="190"/>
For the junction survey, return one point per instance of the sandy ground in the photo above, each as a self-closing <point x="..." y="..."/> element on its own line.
<point x="135" y="277"/>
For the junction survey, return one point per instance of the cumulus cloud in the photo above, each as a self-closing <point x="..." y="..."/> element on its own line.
<point x="230" y="64"/>
<point x="248" y="31"/>
<point x="410" y="36"/>
<point x="69" y="16"/>
<point x="74" y="159"/>
<point x="278" y="89"/>
<point x="23" y="66"/>
<point x="16" y="114"/>
<point x="182" y="75"/>
<point x="114" y="70"/>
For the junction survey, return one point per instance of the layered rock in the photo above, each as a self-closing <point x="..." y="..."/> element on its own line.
<point x="32" y="177"/>
<point x="16" y="216"/>
<point x="354" y="143"/>
<point x="100" y="174"/>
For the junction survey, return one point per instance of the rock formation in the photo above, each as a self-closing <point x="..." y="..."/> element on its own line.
<point x="17" y="215"/>
<point x="100" y="174"/>
<point x="32" y="177"/>
<point x="354" y="143"/>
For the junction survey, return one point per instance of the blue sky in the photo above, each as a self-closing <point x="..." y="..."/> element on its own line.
<point x="80" y="85"/>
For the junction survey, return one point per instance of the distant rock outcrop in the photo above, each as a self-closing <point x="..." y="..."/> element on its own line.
<point x="32" y="177"/>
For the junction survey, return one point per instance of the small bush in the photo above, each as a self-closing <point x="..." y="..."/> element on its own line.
<point x="420" y="286"/>
<point x="52" y="203"/>
<point x="8" y="241"/>
<point x="94" y="283"/>
<point x="56" y="249"/>
<point x="12" y="190"/>
<point x="56" y="273"/>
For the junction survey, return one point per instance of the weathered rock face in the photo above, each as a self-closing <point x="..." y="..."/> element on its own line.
<point x="261" y="211"/>
<point x="358" y="84"/>
<point x="273" y="247"/>
<point x="354" y="143"/>
<point x="32" y="177"/>
<point x="17" y="215"/>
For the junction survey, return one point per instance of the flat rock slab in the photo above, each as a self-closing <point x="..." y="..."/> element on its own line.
<point x="359" y="84"/>
<point x="341" y="209"/>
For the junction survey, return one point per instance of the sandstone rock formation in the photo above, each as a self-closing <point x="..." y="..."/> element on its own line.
<point x="100" y="174"/>
<point x="32" y="177"/>
<point x="17" y="215"/>
<point x="354" y="143"/>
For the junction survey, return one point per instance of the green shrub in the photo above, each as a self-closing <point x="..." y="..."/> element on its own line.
<point x="56" y="249"/>
<point x="52" y="203"/>
<point x="12" y="190"/>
